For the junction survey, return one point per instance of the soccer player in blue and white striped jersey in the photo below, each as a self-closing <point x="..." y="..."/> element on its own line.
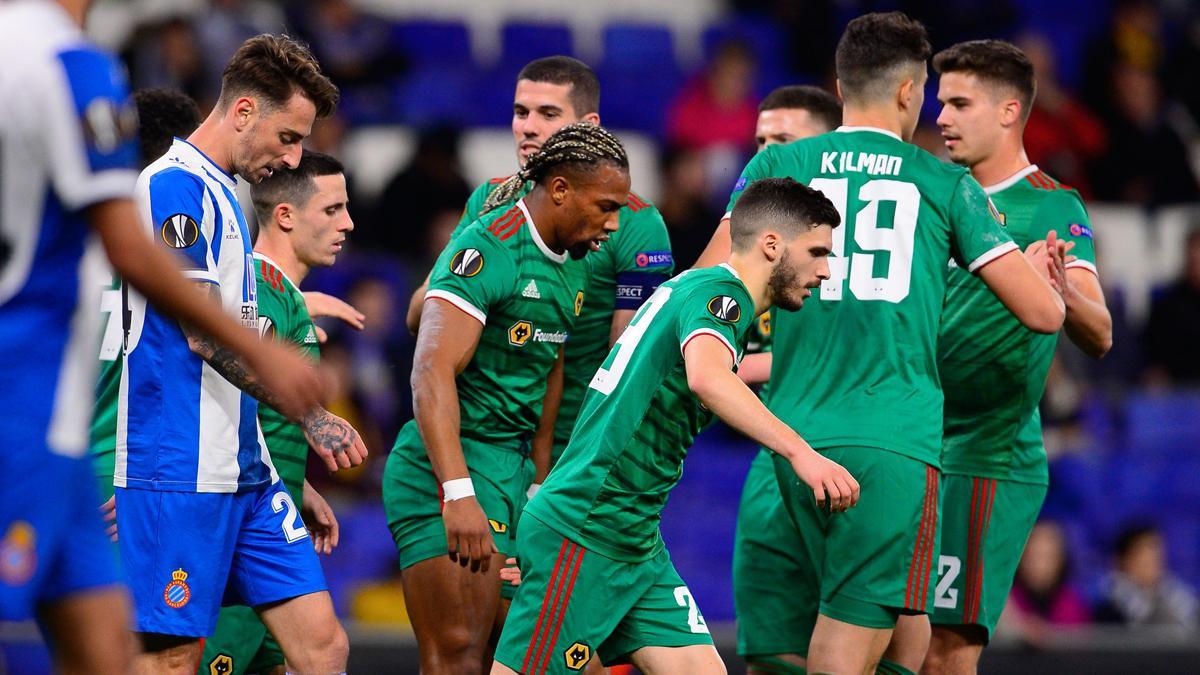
<point x="189" y="448"/>
<point x="67" y="166"/>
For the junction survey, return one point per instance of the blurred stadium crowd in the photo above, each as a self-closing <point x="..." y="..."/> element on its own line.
<point x="425" y="114"/>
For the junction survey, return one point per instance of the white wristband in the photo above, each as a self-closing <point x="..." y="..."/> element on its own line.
<point x="533" y="488"/>
<point x="457" y="489"/>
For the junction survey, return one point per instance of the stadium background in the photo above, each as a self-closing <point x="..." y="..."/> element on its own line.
<point x="426" y="106"/>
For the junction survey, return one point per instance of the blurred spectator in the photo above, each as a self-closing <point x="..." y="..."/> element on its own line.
<point x="1134" y="38"/>
<point x="690" y="218"/>
<point x="224" y="25"/>
<point x="1061" y="136"/>
<point x="1147" y="161"/>
<point x="1141" y="591"/>
<point x="431" y="185"/>
<point x="166" y="55"/>
<point x="381" y="357"/>
<point x="1173" y="331"/>
<point x="337" y="378"/>
<point x="718" y="107"/>
<point x="354" y="49"/>
<point x="1042" y="593"/>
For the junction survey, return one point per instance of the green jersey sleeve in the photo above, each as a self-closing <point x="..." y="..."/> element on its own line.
<point x="760" y="166"/>
<point x="1063" y="211"/>
<point x="976" y="234"/>
<point x="274" y="304"/>
<point x="641" y="255"/>
<point x="717" y="310"/>
<point x="474" y="207"/>
<point x="474" y="273"/>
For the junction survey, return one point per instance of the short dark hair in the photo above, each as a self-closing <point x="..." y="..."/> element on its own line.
<point x="585" y="87"/>
<point x="874" y="49"/>
<point x="1132" y="534"/>
<point x="819" y="103"/>
<point x="994" y="61"/>
<point x="163" y="114"/>
<point x="275" y="67"/>
<point x="292" y="186"/>
<point x="783" y="203"/>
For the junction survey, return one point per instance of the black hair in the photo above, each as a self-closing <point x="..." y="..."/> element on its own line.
<point x="292" y="186"/>
<point x="578" y="146"/>
<point x="585" y="87"/>
<point x="782" y="203"/>
<point x="994" y="61"/>
<point x="163" y="114"/>
<point x="821" y="104"/>
<point x="877" y="51"/>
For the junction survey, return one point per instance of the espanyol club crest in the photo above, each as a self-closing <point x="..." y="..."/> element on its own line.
<point x="725" y="308"/>
<point x="177" y="593"/>
<point x="467" y="262"/>
<point x="18" y="554"/>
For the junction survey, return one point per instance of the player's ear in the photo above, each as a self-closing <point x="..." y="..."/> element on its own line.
<point x="593" y="118"/>
<point x="771" y="245"/>
<point x="243" y="109"/>
<point x="559" y="187"/>
<point x="904" y="95"/>
<point x="1010" y="112"/>
<point x="284" y="217"/>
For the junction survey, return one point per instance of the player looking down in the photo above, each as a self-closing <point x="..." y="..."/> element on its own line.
<point x="488" y="351"/>
<point x="597" y="579"/>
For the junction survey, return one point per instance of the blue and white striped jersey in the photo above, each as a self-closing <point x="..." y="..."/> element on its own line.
<point x="67" y="141"/>
<point x="181" y="426"/>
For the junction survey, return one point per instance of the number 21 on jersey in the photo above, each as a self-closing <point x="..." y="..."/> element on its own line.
<point x="897" y="241"/>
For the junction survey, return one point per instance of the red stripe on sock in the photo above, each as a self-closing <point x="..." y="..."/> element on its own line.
<point x="562" y="611"/>
<point x="537" y="627"/>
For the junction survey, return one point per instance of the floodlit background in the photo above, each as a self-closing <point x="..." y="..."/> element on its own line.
<point x="427" y="93"/>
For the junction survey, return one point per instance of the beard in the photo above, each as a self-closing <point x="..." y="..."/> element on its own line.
<point x="783" y="287"/>
<point x="578" y="251"/>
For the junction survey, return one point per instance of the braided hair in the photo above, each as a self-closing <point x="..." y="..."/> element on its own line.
<point x="579" y="143"/>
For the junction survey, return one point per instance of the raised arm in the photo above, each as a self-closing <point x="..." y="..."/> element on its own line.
<point x="709" y="365"/>
<point x="291" y="381"/>
<point x="1025" y="289"/>
<point x="445" y="345"/>
<point x="412" y="318"/>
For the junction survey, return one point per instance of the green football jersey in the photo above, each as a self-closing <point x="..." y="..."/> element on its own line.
<point x="102" y="439"/>
<point x="282" y="313"/>
<point x="993" y="368"/>
<point x="528" y="298"/>
<point x="626" y="269"/>
<point x="639" y="418"/>
<point x="858" y="367"/>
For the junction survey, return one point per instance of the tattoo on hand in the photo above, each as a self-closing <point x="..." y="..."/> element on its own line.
<point x="328" y="431"/>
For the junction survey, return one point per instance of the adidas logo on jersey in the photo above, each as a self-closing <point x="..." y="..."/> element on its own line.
<point x="531" y="291"/>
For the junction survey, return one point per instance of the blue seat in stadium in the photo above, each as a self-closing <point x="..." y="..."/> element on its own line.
<point x="522" y="42"/>
<point x="639" y="47"/>
<point x="1163" y="424"/>
<point x="638" y="76"/>
<point x="441" y="43"/>
<point x="435" y="94"/>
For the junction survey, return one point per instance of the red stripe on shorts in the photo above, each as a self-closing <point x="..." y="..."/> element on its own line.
<point x="562" y="612"/>
<point x="931" y="488"/>
<point x="537" y="627"/>
<point x="915" y="582"/>
<point x="986" y="519"/>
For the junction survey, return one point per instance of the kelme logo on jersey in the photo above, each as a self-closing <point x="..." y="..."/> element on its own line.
<point x="519" y="333"/>
<point x="725" y="308"/>
<point x="18" y="554"/>
<point x="578" y="302"/>
<point x="177" y="593"/>
<point x="1078" y="230"/>
<point x="180" y="231"/>
<point x="467" y="262"/>
<point x="577" y="655"/>
<point x="221" y="665"/>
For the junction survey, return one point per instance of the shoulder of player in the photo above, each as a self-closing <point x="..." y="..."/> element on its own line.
<point x="165" y="178"/>
<point x="271" y="278"/>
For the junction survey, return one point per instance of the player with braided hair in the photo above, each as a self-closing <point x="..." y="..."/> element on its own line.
<point x="502" y="301"/>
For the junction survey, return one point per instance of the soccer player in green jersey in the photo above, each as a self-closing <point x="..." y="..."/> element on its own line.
<point x="552" y="92"/>
<point x="993" y="369"/>
<point x="860" y="376"/>
<point x="597" y="579"/>
<point x="765" y="557"/>
<point x="303" y="223"/>
<point x="502" y="301"/>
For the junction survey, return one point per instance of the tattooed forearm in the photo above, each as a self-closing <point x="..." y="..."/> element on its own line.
<point x="326" y="431"/>
<point x="231" y="366"/>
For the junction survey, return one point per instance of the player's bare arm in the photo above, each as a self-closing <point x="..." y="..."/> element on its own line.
<point x="755" y="368"/>
<point x="155" y="274"/>
<point x="543" y="440"/>
<point x="620" y="321"/>
<point x="318" y="516"/>
<point x="331" y="437"/>
<point x="322" y="304"/>
<point x="1088" y="322"/>
<point x="1025" y="290"/>
<point x="718" y="247"/>
<point x="445" y="346"/>
<point x="710" y="376"/>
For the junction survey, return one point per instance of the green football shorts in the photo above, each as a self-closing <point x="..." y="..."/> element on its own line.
<point x="985" y="523"/>
<point x="240" y="645"/>
<point x="767" y="557"/>
<point x="874" y="562"/>
<point x="412" y="496"/>
<point x="574" y="604"/>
